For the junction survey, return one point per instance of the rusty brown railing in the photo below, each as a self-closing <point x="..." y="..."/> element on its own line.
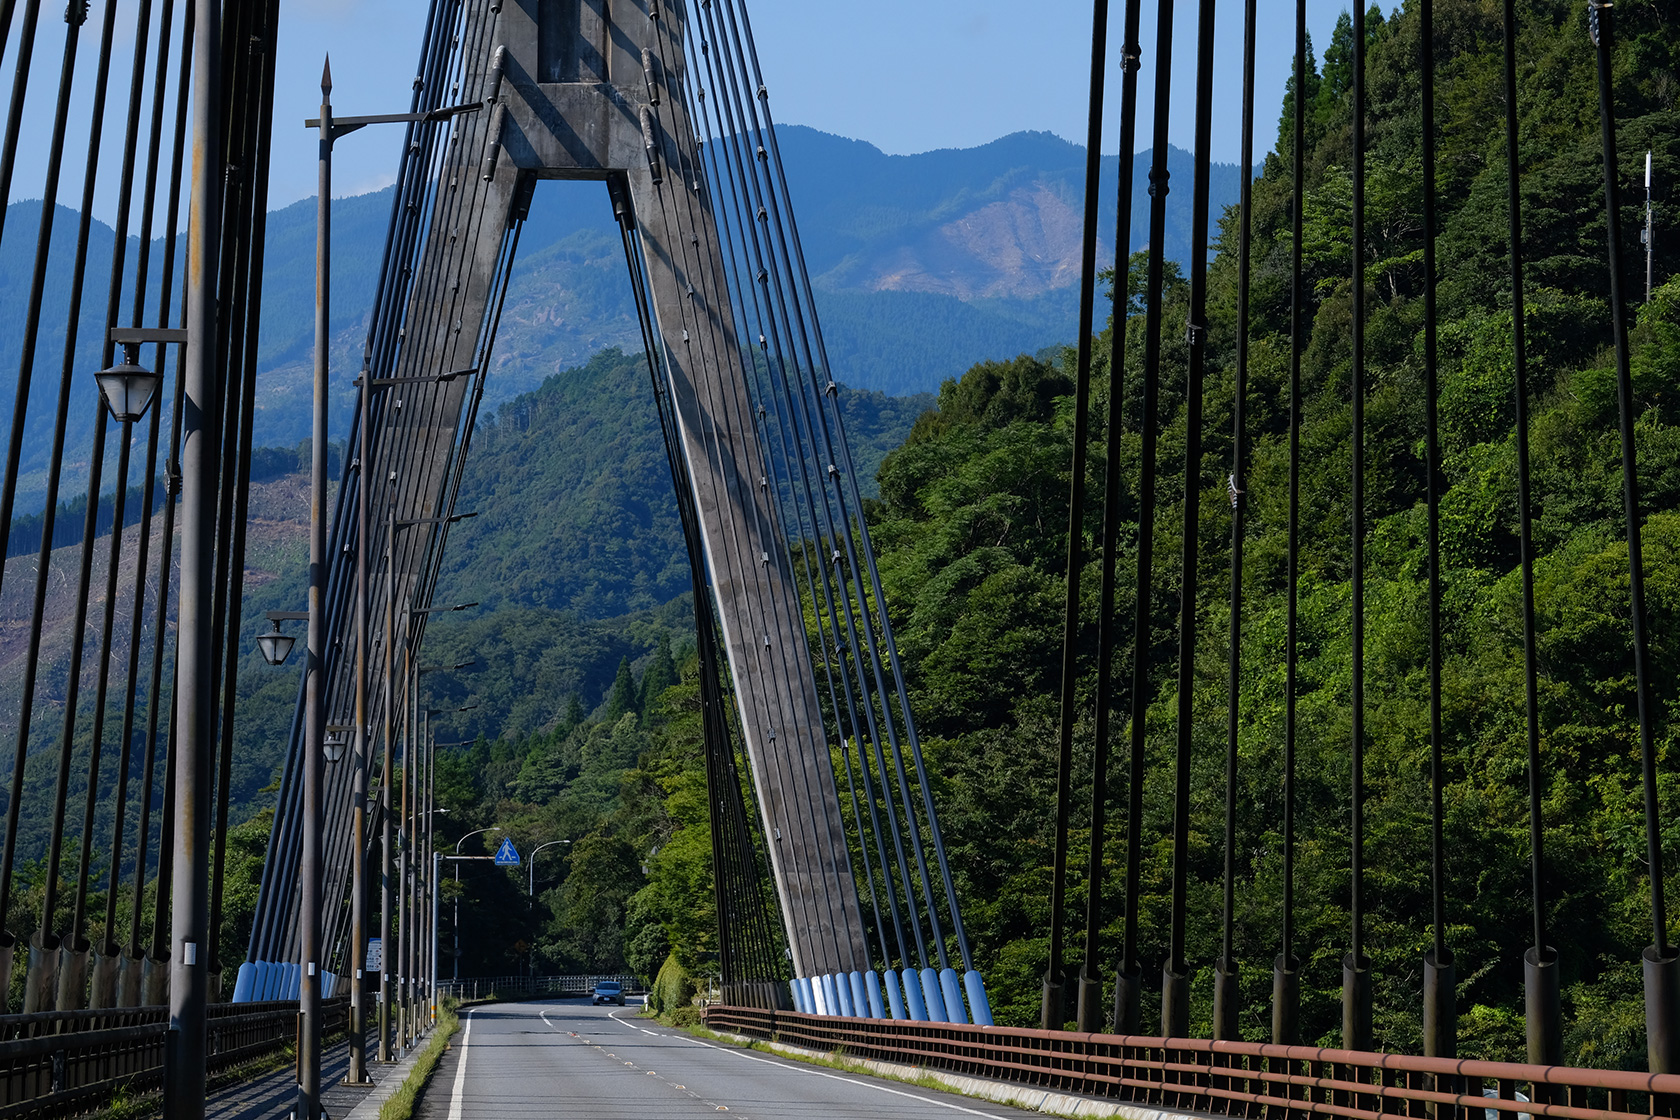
<point x="1238" y="1079"/>
<point x="68" y="1063"/>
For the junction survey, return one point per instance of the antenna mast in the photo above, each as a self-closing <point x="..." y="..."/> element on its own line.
<point x="1648" y="234"/>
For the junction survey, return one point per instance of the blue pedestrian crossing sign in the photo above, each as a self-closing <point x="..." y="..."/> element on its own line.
<point x="507" y="855"/>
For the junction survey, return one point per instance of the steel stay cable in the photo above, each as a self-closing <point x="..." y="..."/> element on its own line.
<point x="1440" y="1025"/>
<point x="231" y="278"/>
<point x="362" y="422"/>
<point x="112" y="568"/>
<point x="338" y="606"/>
<point x="159" y="945"/>
<point x="771" y="465"/>
<point x="850" y="482"/>
<point x="1052" y="1011"/>
<point x="49" y="509"/>
<point x="765" y="203"/>
<point x="258" y="128"/>
<point x="788" y="497"/>
<point x="264" y="926"/>
<point x="429" y="552"/>
<point x="727" y="856"/>
<point x="1544" y="955"/>
<point x="1431" y="474"/>
<point x="1175" y="1011"/>
<point x="779" y="363"/>
<point x="775" y="365"/>
<point x="808" y="542"/>
<point x="1661" y="1039"/>
<point x="288" y="827"/>
<point x="96" y="463"/>
<point x="504" y="267"/>
<point x="166" y="833"/>
<point x="1355" y="978"/>
<point x="1142" y="633"/>
<point x="1284" y="993"/>
<point x="886" y="712"/>
<point x="741" y="865"/>
<point x="142" y="554"/>
<point x="1130" y="58"/>
<point x="724" y="869"/>
<point x="684" y="220"/>
<point x="1227" y="969"/>
<point x="8" y="166"/>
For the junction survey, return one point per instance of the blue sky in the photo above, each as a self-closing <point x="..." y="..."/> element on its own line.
<point x="905" y="75"/>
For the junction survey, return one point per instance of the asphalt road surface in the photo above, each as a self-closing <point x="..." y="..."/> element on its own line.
<point x="566" y="1058"/>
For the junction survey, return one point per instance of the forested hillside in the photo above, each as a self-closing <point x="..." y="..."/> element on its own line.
<point x="971" y="524"/>
<point x="972" y="540"/>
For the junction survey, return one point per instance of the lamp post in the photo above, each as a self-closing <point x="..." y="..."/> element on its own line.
<point x="331" y="129"/>
<point x="531" y="882"/>
<point x="408" y="948"/>
<point x="195" y="691"/>
<point x="428" y="795"/>
<point x="455" y="918"/>
<point x="309" y="871"/>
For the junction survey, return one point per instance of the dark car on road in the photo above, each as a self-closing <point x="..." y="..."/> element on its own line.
<point x="609" y="991"/>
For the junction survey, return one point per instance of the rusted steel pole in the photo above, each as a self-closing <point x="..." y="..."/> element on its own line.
<point x="195" y="689"/>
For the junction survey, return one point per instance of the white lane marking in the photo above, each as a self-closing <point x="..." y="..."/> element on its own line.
<point x="848" y="1080"/>
<point x="461" y="1072"/>
<point x="613" y="1015"/>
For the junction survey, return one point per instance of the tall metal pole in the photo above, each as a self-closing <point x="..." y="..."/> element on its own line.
<point x="1661" y="963"/>
<point x="357" y="1072"/>
<point x="422" y="958"/>
<point x="437" y="859"/>
<point x="195" y="690"/>
<point x="309" y="872"/>
<point x="386" y="838"/>
<point x="1052" y="1012"/>
<point x="405" y="841"/>
<point x="1650" y="237"/>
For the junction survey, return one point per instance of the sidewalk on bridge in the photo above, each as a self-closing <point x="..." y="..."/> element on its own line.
<point x="274" y="1096"/>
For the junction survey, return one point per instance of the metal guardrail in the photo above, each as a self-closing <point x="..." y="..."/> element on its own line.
<point x="1238" y="1079"/>
<point x="67" y="1063"/>
<point x="482" y="987"/>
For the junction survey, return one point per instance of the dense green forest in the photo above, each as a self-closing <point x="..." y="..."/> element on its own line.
<point x="970" y="525"/>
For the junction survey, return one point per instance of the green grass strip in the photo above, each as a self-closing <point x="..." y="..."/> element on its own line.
<point x="400" y="1104"/>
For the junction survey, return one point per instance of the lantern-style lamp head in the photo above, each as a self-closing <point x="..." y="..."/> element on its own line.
<point x="275" y="646"/>
<point x="128" y="387"/>
<point x="333" y="743"/>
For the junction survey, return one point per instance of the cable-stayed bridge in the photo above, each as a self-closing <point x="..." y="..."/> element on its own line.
<point x="837" y="905"/>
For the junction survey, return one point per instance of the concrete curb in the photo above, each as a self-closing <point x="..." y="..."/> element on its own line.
<point x="369" y="1106"/>
<point x="1001" y="1092"/>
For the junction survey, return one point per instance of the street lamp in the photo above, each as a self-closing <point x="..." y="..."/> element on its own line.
<point x="128" y="387"/>
<point x="335" y="740"/>
<point x="397" y="993"/>
<point x="531" y="882"/>
<point x="455" y="918"/>
<point x="331" y="129"/>
<point x="426" y="807"/>
<point x="275" y="645"/>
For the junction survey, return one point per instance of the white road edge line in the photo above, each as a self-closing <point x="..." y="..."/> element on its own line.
<point x="849" y="1080"/>
<point x="613" y="1015"/>
<point x="456" y="1094"/>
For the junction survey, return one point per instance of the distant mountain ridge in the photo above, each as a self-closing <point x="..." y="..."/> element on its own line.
<point x="923" y="265"/>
